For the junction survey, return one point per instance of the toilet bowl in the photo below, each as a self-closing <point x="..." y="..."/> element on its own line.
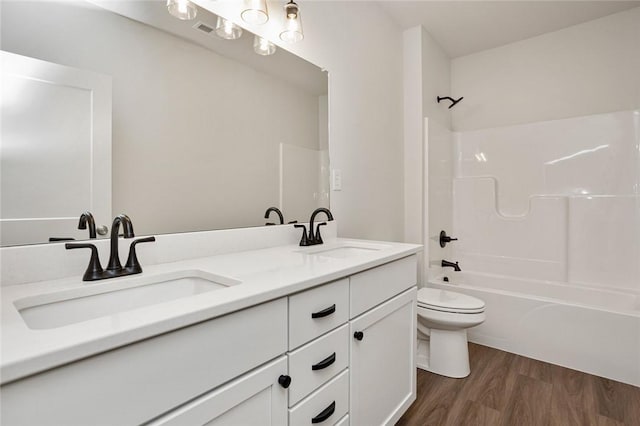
<point x="443" y="320"/>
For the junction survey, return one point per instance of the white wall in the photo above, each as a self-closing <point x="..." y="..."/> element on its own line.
<point x="585" y="69"/>
<point x="196" y="136"/>
<point x="427" y="145"/>
<point x="361" y="47"/>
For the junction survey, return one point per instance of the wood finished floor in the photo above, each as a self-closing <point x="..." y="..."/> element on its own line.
<point x="508" y="389"/>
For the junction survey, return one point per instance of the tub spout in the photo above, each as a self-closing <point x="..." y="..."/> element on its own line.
<point x="446" y="263"/>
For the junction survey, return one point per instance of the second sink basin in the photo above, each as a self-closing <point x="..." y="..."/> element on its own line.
<point x="345" y="250"/>
<point x="66" y="307"/>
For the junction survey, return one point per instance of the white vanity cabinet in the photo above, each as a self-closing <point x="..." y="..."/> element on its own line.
<point x="348" y="348"/>
<point x="383" y="345"/>
<point x="377" y="383"/>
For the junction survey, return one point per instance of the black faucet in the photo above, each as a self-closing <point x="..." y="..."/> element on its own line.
<point x="446" y="263"/>
<point x="114" y="264"/>
<point x="278" y="212"/>
<point x="316" y="237"/>
<point x="114" y="269"/>
<point x="86" y="218"/>
<point x="312" y="238"/>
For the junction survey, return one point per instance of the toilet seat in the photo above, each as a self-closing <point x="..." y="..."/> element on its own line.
<point x="449" y="301"/>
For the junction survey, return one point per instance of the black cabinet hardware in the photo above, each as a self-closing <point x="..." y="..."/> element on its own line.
<point x="326" y="413"/>
<point x="284" y="381"/>
<point x="358" y="335"/>
<point x="325" y="312"/>
<point x="325" y="362"/>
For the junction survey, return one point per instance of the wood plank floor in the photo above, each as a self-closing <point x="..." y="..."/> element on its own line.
<point x="508" y="389"/>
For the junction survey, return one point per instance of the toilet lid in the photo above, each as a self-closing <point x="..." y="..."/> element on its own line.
<point x="449" y="301"/>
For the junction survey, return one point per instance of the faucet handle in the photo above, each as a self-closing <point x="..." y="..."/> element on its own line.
<point x="133" y="266"/>
<point x="444" y="238"/>
<point x="304" y="241"/>
<point x="94" y="270"/>
<point x="318" y="237"/>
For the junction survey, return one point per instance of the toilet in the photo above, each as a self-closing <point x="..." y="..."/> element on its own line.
<point x="443" y="320"/>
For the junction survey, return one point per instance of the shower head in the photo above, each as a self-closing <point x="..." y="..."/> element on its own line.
<point x="453" y="101"/>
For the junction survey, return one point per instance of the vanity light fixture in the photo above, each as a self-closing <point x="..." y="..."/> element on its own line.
<point x="227" y="30"/>
<point x="263" y="47"/>
<point x="255" y="12"/>
<point x="292" y="32"/>
<point x="182" y="9"/>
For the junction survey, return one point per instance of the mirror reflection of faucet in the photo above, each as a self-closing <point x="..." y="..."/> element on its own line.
<point x="277" y="211"/>
<point x="86" y="219"/>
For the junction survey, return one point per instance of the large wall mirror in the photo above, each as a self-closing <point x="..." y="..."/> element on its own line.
<point x="118" y="107"/>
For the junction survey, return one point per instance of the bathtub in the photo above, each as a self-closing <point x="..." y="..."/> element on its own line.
<point x="588" y="329"/>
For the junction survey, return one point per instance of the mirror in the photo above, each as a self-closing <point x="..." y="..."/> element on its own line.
<point x="204" y="133"/>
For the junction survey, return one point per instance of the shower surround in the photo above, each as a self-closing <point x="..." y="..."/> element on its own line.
<point x="554" y="203"/>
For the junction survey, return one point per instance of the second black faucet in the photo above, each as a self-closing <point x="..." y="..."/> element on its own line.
<point x="312" y="238"/>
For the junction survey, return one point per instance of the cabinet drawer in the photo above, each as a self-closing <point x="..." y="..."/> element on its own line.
<point x="138" y="382"/>
<point x="313" y="364"/>
<point x="330" y="402"/>
<point x="372" y="287"/>
<point x="316" y="311"/>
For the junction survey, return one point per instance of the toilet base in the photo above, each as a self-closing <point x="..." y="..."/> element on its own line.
<point x="445" y="352"/>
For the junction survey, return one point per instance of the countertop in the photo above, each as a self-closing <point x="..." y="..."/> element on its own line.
<point x="264" y="275"/>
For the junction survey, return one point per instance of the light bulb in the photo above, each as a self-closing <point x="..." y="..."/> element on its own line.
<point x="255" y="12"/>
<point x="182" y="9"/>
<point x="292" y="32"/>
<point x="263" y="47"/>
<point x="227" y="30"/>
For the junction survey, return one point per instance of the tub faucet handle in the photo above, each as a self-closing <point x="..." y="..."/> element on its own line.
<point x="444" y="238"/>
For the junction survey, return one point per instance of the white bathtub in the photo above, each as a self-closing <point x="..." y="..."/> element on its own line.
<point x="592" y="330"/>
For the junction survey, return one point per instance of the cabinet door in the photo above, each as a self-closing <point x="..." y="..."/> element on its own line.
<point x="253" y="399"/>
<point x="383" y="361"/>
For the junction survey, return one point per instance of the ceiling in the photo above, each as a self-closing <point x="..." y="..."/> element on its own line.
<point x="282" y="64"/>
<point x="465" y="27"/>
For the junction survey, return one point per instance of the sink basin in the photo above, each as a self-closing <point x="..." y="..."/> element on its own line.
<point x="345" y="250"/>
<point x="66" y="307"/>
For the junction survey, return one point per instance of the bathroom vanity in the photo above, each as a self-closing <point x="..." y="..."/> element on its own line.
<point x="289" y="335"/>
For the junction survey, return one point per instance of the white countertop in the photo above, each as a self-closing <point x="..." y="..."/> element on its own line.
<point x="265" y="274"/>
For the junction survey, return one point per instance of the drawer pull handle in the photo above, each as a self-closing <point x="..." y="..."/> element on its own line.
<point x="325" y="312"/>
<point x="284" y="381"/>
<point x="358" y="335"/>
<point x="326" y="413"/>
<point x="325" y="362"/>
